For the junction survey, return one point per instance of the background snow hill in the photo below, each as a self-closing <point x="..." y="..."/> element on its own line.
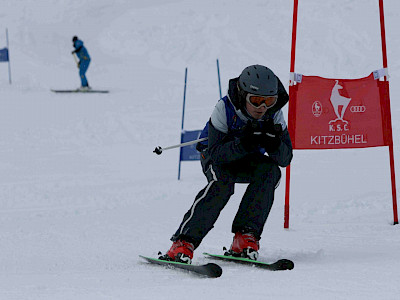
<point x="82" y="194"/>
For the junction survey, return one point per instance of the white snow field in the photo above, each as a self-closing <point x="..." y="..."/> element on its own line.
<point x="82" y="194"/>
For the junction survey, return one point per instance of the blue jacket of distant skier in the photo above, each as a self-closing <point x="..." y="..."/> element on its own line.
<point x="81" y="51"/>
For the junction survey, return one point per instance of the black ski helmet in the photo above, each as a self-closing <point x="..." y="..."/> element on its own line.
<point x="258" y="80"/>
<point x="74" y="39"/>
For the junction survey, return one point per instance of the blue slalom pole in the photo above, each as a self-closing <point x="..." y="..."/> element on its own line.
<point x="183" y="119"/>
<point x="219" y="80"/>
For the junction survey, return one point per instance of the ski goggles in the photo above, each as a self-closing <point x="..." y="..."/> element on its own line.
<point x="257" y="101"/>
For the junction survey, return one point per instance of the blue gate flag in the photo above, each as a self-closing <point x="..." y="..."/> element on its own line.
<point x="189" y="152"/>
<point x="4" y="54"/>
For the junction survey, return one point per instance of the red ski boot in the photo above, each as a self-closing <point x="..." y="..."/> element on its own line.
<point x="180" y="251"/>
<point x="245" y="245"/>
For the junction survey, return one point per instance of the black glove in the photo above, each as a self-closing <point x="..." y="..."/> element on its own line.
<point x="271" y="136"/>
<point x="251" y="136"/>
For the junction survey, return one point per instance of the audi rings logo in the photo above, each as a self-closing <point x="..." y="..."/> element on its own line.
<point x="358" y="109"/>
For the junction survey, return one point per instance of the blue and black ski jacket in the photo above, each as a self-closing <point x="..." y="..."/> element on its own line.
<point x="224" y="130"/>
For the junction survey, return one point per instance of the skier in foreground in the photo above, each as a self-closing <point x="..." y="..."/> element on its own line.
<point x="247" y="142"/>
<point x="84" y="61"/>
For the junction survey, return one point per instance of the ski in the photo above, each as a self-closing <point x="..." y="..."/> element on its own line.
<point x="210" y="270"/>
<point x="80" y="91"/>
<point x="280" y="265"/>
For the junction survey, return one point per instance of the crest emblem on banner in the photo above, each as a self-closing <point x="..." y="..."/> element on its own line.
<point x="317" y="109"/>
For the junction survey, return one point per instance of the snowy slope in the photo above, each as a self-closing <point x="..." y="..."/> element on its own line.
<point x="82" y="194"/>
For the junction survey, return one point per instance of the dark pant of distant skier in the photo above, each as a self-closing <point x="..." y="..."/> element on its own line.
<point x="83" y="66"/>
<point x="263" y="176"/>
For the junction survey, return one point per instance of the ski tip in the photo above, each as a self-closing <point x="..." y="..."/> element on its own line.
<point x="285" y="264"/>
<point x="215" y="270"/>
<point x="209" y="270"/>
<point x="144" y="257"/>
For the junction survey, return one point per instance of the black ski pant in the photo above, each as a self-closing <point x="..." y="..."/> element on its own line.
<point x="263" y="176"/>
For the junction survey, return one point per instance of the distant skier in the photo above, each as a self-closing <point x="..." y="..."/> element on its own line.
<point x="248" y="141"/>
<point x="84" y="61"/>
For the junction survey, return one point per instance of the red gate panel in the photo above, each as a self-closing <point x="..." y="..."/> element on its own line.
<point x="337" y="113"/>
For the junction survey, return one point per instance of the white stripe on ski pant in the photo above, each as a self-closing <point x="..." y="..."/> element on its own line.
<point x="200" y="198"/>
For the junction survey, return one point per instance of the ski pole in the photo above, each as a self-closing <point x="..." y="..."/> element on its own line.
<point x="76" y="59"/>
<point x="159" y="150"/>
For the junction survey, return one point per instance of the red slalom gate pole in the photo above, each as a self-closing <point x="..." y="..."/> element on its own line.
<point x="391" y="152"/>
<point x="291" y="107"/>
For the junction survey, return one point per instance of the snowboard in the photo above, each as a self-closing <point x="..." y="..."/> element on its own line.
<point x="210" y="270"/>
<point x="80" y="91"/>
<point x="280" y="265"/>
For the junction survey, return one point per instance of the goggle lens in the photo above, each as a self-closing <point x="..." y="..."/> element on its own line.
<point x="258" y="101"/>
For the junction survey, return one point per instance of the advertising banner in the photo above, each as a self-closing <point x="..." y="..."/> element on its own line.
<point x="338" y="113"/>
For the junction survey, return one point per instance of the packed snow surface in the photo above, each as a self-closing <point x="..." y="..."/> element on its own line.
<point x="82" y="194"/>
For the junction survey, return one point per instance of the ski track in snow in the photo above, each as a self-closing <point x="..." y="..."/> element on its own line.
<point x="82" y="194"/>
